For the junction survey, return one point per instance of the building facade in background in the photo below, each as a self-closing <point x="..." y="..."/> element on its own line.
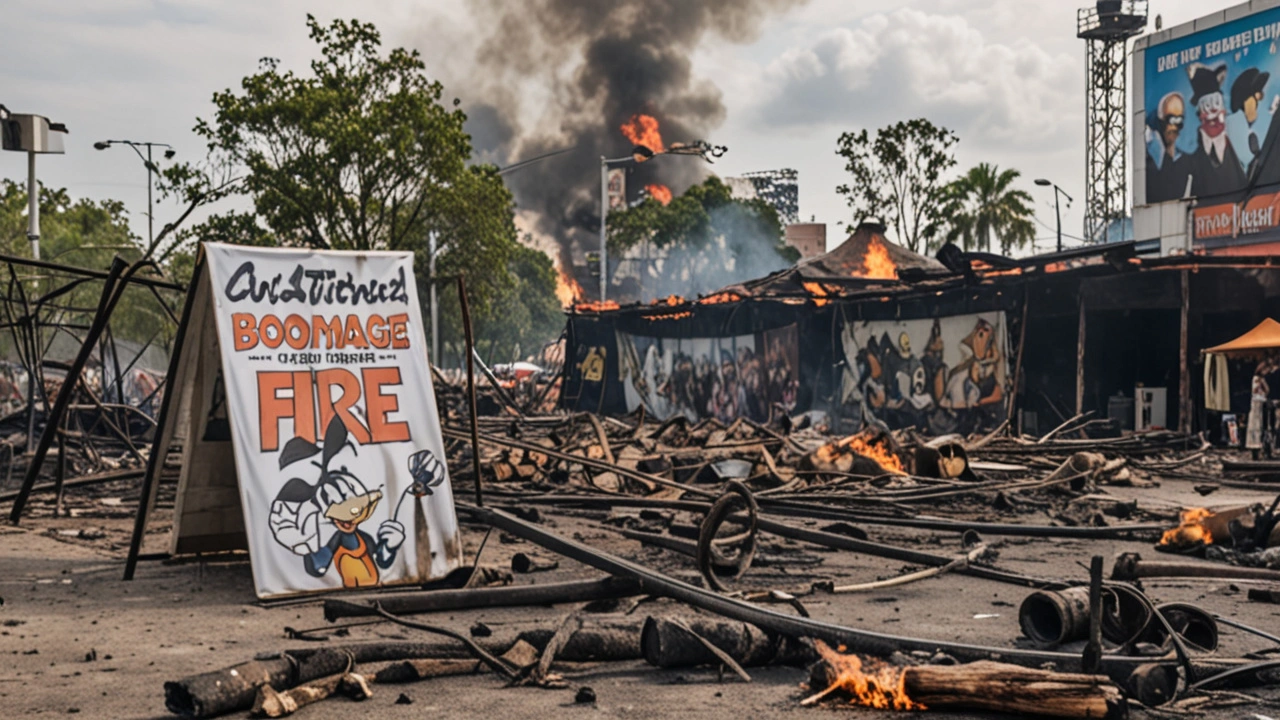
<point x="809" y="238"/>
<point x="779" y="188"/>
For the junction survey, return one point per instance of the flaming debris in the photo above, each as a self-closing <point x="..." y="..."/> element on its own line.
<point x="568" y="291"/>
<point x="876" y="263"/>
<point x="659" y="192"/>
<point x="1190" y="530"/>
<point x="723" y="297"/>
<point x="643" y="130"/>
<point x="840" y="454"/>
<point x="869" y="683"/>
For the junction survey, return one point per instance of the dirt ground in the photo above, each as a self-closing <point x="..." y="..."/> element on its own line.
<point x="78" y="640"/>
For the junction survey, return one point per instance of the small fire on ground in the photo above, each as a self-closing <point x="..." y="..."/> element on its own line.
<point x="876" y="263"/>
<point x="874" y="446"/>
<point x="1190" y="530"/>
<point x="661" y="193"/>
<point x="867" y="682"/>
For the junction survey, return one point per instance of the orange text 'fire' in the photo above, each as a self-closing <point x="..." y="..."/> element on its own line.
<point x="876" y="263"/>
<point x="869" y="683"/>
<point x="643" y="130"/>
<point x="1190" y="530"/>
<point x="567" y="289"/>
<point x="661" y="193"/>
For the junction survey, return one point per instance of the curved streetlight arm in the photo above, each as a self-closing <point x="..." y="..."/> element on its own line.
<point x="151" y="168"/>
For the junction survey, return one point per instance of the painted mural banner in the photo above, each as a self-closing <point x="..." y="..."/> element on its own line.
<point x="1211" y="98"/>
<point x="333" y="419"/>
<point x="753" y="376"/>
<point x="940" y="375"/>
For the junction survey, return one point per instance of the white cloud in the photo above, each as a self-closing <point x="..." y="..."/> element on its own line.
<point x="908" y="63"/>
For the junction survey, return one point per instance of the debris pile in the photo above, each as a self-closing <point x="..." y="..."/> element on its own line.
<point x="739" y="531"/>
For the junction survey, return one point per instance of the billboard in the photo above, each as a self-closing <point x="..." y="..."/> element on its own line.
<point x="1209" y="100"/>
<point x="752" y="376"/>
<point x="941" y="375"/>
<point x="332" y="416"/>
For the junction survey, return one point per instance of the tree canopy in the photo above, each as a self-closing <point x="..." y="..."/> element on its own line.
<point x="362" y="153"/>
<point x="897" y="176"/>
<point x="984" y="205"/>
<point x="707" y="239"/>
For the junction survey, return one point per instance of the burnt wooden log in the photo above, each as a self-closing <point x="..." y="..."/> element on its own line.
<point x="1001" y="687"/>
<point x="235" y="687"/>
<point x="273" y="704"/>
<point x="668" y="643"/>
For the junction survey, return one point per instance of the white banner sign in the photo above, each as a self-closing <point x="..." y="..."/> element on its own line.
<point x="333" y="418"/>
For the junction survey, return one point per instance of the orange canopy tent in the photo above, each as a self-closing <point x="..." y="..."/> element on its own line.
<point x="1262" y="340"/>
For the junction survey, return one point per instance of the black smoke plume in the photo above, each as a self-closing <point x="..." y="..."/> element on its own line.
<point x="559" y="74"/>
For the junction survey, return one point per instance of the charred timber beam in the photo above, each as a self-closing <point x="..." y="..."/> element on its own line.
<point x="855" y="640"/>
<point x="1131" y="566"/>
<point x="606" y="588"/>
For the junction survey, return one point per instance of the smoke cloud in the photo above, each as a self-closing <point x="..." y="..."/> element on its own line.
<point x="556" y="74"/>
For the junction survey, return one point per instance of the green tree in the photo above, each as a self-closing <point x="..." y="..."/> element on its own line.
<point x="897" y="177"/>
<point x="360" y="153"/>
<point x="986" y="206"/>
<point x="699" y="230"/>
<point x="87" y="234"/>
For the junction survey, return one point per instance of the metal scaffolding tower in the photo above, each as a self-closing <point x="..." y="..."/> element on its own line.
<point x="1106" y="28"/>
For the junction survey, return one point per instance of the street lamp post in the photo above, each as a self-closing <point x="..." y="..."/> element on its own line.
<point x="151" y="167"/>
<point x="604" y="218"/>
<point x="34" y="135"/>
<point x="1057" y="208"/>
<point x="639" y="154"/>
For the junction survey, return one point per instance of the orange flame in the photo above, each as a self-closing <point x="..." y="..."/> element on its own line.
<point x="1190" y="530"/>
<point x="876" y="263"/>
<point x="870" y="683"/>
<point x="818" y="292"/>
<point x="567" y="288"/>
<point x="724" y="297"/>
<point x="597" y="306"/>
<point x="643" y="130"/>
<point x="866" y="444"/>
<point x="661" y="193"/>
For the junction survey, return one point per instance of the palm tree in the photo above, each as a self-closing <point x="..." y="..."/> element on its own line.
<point x="983" y="205"/>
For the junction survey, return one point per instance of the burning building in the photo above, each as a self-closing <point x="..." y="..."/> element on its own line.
<point x="871" y="333"/>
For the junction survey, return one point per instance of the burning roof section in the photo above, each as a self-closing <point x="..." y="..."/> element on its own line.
<point x="869" y="266"/>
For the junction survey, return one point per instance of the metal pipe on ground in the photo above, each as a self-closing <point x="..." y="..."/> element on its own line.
<point x="1130" y="566"/>
<point x="606" y="588"/>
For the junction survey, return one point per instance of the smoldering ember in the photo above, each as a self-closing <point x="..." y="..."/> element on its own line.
<point x="483" y="362"/>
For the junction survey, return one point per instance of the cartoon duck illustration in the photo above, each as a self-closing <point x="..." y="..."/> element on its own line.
<point x="340" y="498"/>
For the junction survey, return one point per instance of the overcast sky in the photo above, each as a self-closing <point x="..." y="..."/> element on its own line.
<point x="1006" y="75"/>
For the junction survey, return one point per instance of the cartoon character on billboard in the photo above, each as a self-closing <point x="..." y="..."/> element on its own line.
<point x="1167" y="167"/>
<point x="978" y="379"/>
<point x="340" y="498"/>
<point x="1247" y="94"/>
<point x="1215" y="167"/>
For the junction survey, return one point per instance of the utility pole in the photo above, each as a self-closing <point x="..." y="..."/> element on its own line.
<point x="604" y="223"/>
<point x="435" y="301"/>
